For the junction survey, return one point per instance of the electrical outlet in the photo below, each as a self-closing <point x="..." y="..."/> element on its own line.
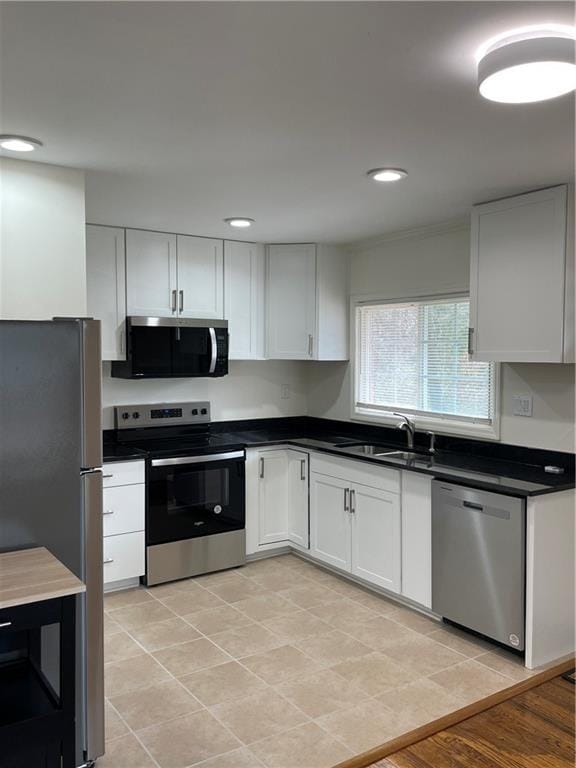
<point x="284" y="392"/>
<point x="522" y="405"/>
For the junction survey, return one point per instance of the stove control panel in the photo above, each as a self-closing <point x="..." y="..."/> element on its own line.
<point x="161" y="414"/>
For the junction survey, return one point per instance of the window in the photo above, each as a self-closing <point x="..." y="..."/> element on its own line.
<point x="413" y="357"/>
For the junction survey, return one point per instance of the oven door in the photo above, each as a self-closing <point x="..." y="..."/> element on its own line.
<point x="194" y="496"/>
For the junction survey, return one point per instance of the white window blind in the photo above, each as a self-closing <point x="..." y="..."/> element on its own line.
<point x="413" y="357"/>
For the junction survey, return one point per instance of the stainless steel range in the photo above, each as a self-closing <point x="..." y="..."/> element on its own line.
<point x="195" y="516"/>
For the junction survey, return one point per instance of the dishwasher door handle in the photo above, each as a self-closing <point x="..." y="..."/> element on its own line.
<point x="472" y="505"/>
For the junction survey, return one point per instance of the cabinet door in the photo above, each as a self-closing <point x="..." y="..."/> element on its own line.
<point x="273" y="497"/>
<point x="376" y="555"/>
<point x="298" y="517"/>
<point x="330" y="521"/>
<point x="150" y="273"/>
<point x="417" y="538"/>
<point x="106" y="284"/>
<point x="291" y="302"/>
<point x="200" y="277"/>
<point x="517" y="277"/>
<point x="244" y="299"/>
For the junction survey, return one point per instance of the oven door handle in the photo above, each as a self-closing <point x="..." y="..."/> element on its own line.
<point x="198" y="459"/>
<point x="214" y="349"/>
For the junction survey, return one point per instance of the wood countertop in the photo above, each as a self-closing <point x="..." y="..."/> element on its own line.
<point x="33" y="575"/>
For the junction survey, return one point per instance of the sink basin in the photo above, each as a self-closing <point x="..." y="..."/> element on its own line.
<point x="370" y="449"/>
<point x="404" y="455"/>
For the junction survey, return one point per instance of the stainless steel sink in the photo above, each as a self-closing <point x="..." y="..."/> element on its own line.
<point x="404" y="455"/>
<point x="369" y="449"/>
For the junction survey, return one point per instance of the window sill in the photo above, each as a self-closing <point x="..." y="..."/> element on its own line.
<point x="438" y="425"/>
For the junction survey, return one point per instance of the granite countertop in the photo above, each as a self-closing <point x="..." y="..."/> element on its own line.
<point x="493" y="467"/>
<point x="34" y="575"/>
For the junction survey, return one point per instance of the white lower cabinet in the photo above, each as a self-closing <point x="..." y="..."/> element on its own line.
<point x="354" y="526"/>
<point x="123" y="521"/>
<point x="276" y="499"/>
<point x="330" y="521"/>
<point x="376" y="536"/>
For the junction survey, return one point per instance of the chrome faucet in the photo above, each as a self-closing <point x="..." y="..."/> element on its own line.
<point x="410" y="428"/>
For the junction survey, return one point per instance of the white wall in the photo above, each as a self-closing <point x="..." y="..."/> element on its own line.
<point x="252" y="390"/>
<point x="42" y="246"/>
<point x="432" y="261"/>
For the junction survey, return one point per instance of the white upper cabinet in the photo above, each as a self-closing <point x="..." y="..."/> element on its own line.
<point x="106" y="283"/>
<point x="200" y="277"/>
<point x="244" y="269"/>
<point x="291" y="301"/>
<point x="151" y="274"/>
<point x="522" y="280"/>
<point x="307" y="302"/>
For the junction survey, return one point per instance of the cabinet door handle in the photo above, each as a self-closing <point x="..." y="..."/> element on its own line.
<point x="346" y="499"/>
<point x="470" y="341"/>
<point x="261" y="467"/>
<point x="109" y="475"/>
<point x="302" y="469"/>
<point x="108" y="560"/>
<point x="181" y="301"/>
<point x="5" y="624"/>
<point x="353" y="501"/>
<point x="108" y="512"/>
<point x="174" y="304"/>
<point x="310" y="344"/>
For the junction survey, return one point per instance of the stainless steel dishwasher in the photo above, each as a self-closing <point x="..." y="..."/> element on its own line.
<point x="478" y="561"/>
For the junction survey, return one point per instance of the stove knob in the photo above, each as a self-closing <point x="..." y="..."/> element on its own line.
<point x="135" y="415"/>
<point x="125" y="415"/>
<point x="203" y="411"/>
<point x="194" y="411"/>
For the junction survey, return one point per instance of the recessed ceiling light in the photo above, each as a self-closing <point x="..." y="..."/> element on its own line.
<point x="386" y="174"/>
<point x="528" y="64"/>
<point x="15" y="143"/>
<point x="239" y="221"/>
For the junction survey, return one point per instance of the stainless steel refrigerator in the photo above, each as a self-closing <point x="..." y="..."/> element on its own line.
<point x="51" y="478"/>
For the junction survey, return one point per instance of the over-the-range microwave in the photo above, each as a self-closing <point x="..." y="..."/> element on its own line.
<point x="173" y="347"/>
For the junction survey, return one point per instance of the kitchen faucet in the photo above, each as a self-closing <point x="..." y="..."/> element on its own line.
<point x="410" y="428"/>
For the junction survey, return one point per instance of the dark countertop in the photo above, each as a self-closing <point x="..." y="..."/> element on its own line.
<point x="510" y="470"/>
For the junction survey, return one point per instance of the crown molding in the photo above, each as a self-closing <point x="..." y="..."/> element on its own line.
<point x="415" y="233"/>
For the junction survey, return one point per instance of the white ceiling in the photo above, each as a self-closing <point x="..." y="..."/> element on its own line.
<point x="185" y="113"/>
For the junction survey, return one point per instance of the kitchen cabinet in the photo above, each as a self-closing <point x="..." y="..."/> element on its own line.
<point x="174" y="275"/>
<point x="330" y="531"/>
<point x="151" y="274"/>
<point x="355" y="519"/>
<point x="106" y="286"/>
<point x="200" y="277"/>
<point x="522" y="279"/>
<point x="276" y="499"/>
<point x="244" y="275"/>
<point x="123" y="522"/>
<point x="417" y="538"/>
<point x="306" y="302"/>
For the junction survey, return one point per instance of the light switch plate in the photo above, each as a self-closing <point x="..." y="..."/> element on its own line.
<point x="522" y="405"/>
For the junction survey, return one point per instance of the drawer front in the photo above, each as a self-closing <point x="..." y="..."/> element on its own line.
<point x="123" y="556"/>
<point x="357" y="472"/>
<point x="21" y="617"/>
<point x="123" y="473"/>
<point x="123" y="509"/>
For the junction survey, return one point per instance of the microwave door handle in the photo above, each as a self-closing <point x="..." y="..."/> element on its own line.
<point x="214" y="348"/>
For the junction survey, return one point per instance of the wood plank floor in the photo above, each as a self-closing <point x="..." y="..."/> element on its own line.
<point x="533" y="730"/>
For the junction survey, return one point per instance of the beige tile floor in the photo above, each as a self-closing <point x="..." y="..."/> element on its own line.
<point x="278" y="664"/>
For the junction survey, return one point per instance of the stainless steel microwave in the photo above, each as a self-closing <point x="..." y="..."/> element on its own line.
<point x="173" y="347"/>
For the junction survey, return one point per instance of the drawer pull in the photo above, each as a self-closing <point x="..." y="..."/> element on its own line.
<point x="108" y="476"/>
<point x="5" y="624"/>
<point x="108" y="512"/>
<point x="108" y="560"/>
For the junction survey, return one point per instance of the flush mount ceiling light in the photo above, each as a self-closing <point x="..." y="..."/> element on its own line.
<point x="239" y="221"/>
<point x="15" y="143"/>
<point x="528" y="64"/>
<point x="387" y="174"/>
